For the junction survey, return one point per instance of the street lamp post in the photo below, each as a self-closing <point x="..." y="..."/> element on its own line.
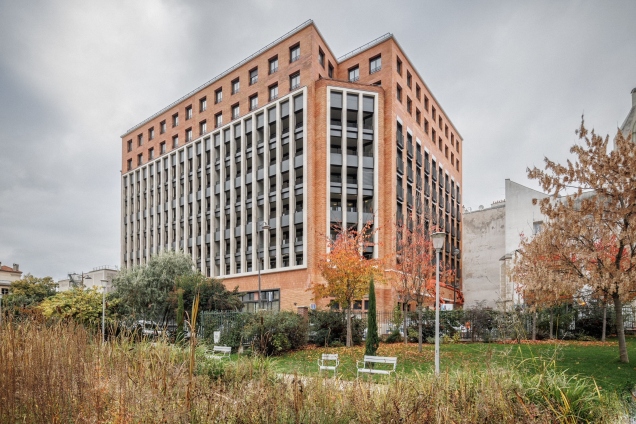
<point x="264" y="226"/>
<point x="438" y="244"/>
<point x="104" y="310"/>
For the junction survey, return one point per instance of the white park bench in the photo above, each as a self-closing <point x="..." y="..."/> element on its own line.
<point x="369" y="365"/>
<point x="329" y="362"/>
<point x="220" y="352"/>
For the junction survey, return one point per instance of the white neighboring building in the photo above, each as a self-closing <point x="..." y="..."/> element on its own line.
<point x="91" y="279"/>
<point x="8" y="275"/>
<point x="491" y="237"/>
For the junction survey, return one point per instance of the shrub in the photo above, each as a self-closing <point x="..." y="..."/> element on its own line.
<point x="328" y="327"/>
<point x="273" y="334"/>
<point x="394" y="337"/>
<point x="585" y="338"/>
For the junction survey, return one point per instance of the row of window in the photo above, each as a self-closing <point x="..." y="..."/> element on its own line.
<point x="294" y="83"/>
<point x="418" y="115"/>
<point x="375" y="64"/>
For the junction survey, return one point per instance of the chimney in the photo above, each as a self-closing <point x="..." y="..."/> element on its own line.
<point x="16" y="267"/>
<point x="634" y="97"/>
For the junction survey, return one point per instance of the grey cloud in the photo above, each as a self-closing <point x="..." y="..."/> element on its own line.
<point x="514" y="77"/>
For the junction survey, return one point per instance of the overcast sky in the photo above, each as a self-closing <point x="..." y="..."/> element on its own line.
<point x="514" y="77"/>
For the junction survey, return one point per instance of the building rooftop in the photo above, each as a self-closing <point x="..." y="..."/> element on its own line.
<point x="222" y="74"/>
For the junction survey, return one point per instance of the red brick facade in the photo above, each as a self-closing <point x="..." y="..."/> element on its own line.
<point x="294" y="284"/>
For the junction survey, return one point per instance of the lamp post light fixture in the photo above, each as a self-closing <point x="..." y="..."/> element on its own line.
<point x="438" y="243"/>
<point x="104" y="310"/>
<point x="264" y="226"/>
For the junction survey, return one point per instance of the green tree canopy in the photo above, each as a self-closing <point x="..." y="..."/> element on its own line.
<point x="29" y="291"/>
<point x="82" y="305"/>
<point x="145" y="290"/>
<point x="212" y="294"/>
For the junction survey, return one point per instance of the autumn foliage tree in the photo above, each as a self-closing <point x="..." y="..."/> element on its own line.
<point x="592" y="218"/>
<point x="543" y="273"/>
<point x="414" y="276"/>
<point x="345" y="269"/>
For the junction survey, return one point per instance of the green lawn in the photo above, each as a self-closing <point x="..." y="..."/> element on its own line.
<point x="591" y="359"/>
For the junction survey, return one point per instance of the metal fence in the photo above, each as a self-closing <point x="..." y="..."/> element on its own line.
<point x="472" y="324"/>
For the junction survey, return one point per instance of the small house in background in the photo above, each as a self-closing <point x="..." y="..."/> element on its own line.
<point x="8" y="274"/>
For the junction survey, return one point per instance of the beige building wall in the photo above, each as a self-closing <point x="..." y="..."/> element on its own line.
<point x="98" y="274"/>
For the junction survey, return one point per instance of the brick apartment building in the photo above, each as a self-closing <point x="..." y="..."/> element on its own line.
<point x="299" y="139"/>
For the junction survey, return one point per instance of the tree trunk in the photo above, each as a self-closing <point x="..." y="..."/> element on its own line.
<point x="534" y="325"/>
<point x="620" y="329"/>
<point x="551" y="322"/>
<point x="406" y="337"/>
<point x="604" y="321"/>
<point x="419" y="328"/>
<point x="349" y="343"/>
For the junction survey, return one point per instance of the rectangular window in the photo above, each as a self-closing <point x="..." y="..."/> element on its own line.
<point x="330" y="72"/>
<point x="218" y="95"/>
<point x="439" y="123"/>
<point x="254" y="102"/>
<point x="273" y="92"/>
<point x="188" y="112"/>
<point x="140" y="159"/>
<point x="162" y="127"/>
<point x="175" y="120"/>
<point x="130" y="145"/>
<point x="321" y="57"/>
<point x="294" y="81"/>
<point x="273" y="65"/>
<point x="188" y="134"/>
<point x="375" y="64"/>
<point x="398" y="93"/>
<point x="162" y="148"/>
<point x="203" y="104"/>
<point x="235" y="111"/>
<point x="418" y="91"/>
<point x="408" y="79"/>
<point x="426" y="103"/>
<point x="434" y="114"/>
<point x="446" y="130"/>
<point x="151" y="154"/>
<point x="408" y="104"/>
<point x="140" y="139"/>
<point x="218" y="120"/>
<point x="294" y="53"/>
<point x="426" y="126"/>
<point x="418" y="116"/>
<point x="398" y="66"/>
<point x="354" y="74"/>
<point x="203" y="127"/>
<point x="129" y="164"/>
<point x="175" y="141"/>
<point x="236" y="85"/>
<point x="253" y="76"/>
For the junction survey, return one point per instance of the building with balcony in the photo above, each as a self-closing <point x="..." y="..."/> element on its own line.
<point x="299" y="139"/>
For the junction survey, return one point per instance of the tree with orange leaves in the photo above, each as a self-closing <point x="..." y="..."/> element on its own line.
<point x="345" y="269"/>
<point x="414" y="279"/>
<point x="592" y="220"/>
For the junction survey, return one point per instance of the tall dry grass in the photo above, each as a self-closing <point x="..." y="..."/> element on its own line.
<point x="54" y="373"/>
